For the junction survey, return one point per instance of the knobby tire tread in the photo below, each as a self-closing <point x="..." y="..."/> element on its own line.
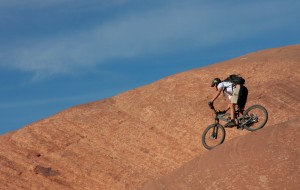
<point x="265" y="114"/>
<point x="208" y="129"/>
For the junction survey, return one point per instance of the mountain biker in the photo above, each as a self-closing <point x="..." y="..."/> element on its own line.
<point x="232" y="91"/>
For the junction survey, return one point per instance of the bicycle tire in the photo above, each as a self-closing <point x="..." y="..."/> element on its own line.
<point x="253" y="126"/>
<point x="208" y="132"/>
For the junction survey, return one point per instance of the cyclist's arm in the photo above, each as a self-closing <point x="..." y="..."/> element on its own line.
<point x="216" y="95"/>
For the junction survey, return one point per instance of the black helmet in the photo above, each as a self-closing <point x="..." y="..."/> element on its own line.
<point x="216" y="81"/>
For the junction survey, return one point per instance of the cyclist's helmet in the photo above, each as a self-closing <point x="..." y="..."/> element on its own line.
<point x="215" y="82"/>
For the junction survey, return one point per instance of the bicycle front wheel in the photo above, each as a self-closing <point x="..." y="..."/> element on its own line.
<point x="255" y="117"/>
<point x="213" y="136"/>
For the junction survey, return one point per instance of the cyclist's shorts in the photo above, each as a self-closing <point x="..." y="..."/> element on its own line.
<point x="235" y="94"/>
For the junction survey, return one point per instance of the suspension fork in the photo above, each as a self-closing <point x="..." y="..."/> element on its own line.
<point x="215" y="129"/>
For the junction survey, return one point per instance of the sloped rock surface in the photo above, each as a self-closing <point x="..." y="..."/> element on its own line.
<point x="268" y="159"/>
<point x="145" y="133"/>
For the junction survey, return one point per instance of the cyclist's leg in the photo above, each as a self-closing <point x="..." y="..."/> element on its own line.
<point x="233" y="103"/>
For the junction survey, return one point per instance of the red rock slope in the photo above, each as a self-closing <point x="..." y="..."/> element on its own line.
<point x="140" y="135"/>
<point x="268" y="159"/>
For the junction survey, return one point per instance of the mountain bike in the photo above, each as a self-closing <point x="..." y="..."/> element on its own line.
<point x="252" y="119"/>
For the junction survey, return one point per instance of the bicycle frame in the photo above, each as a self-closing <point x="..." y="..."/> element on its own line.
<point x="215" y="133"/>
<point x="225" y="117"/>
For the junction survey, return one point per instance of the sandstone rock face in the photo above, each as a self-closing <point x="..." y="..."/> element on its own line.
<point x="268" y="159"/>
<point x="145" y="133"/>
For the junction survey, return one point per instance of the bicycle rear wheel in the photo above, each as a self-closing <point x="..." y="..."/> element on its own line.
<point x="213" y="136"/>
<point x="255" y="117"/>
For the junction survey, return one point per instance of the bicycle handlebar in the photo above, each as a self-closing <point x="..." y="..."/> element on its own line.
<point x="211" y="105"/>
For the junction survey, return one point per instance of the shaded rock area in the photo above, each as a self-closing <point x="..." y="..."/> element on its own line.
<point x="46" y="171"/>
<point x="143" y="134"/>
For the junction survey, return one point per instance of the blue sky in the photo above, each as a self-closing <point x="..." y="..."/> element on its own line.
<point x="55" y="54"/>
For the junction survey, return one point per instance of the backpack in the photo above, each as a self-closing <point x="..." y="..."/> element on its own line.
<point x="243" y="94"/>
<point x="235" y="79"/>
